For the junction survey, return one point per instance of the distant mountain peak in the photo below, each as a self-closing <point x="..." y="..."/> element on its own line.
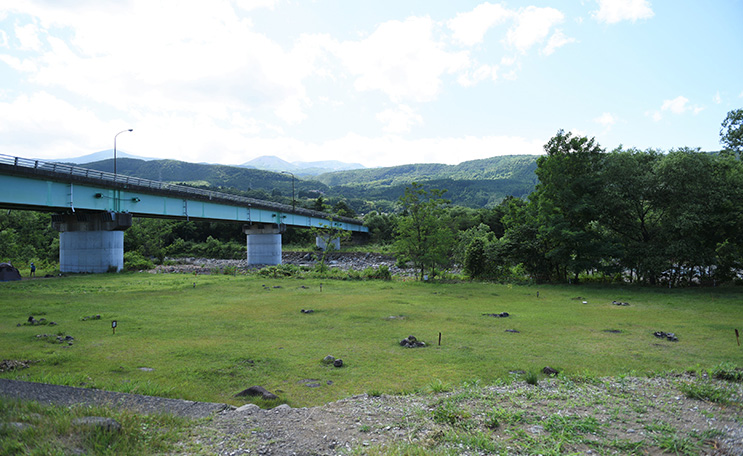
<point x="302" y="168"/>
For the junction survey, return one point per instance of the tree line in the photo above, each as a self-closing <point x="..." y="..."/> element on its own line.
<point x="628" y="214"/>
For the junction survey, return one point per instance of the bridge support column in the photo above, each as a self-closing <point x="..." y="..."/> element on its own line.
<point x="322" y="243"/>
<point x="91" y="241"/>
<point x="264" y="243"/>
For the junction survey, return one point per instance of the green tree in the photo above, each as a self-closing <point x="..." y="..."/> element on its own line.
<point x="381" y="227"/>
<point x="421" y="234"/>
<point x="731" y="133"/>
<point x="569" y="179"/>
<point x="632" y="209"/>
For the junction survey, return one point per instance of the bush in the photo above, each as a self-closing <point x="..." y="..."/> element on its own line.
<point x="134" y="261"/>
<point x="380" y="273"/>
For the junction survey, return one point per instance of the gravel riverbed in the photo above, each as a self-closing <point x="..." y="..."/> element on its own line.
<point x="597" y="416"/>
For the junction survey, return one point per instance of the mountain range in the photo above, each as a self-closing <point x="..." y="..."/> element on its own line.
<point x="300" y="168"/>
<point x="265" y="162"/>
<point x="475" y="183"/>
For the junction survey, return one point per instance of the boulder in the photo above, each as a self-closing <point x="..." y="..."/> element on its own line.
<point x="338" y="363"/>
<point x="330" y="359"/>
<point x="98" y="422"/>
<point x="257" y="391"/>
<point x="549" y="371"/>
<point x="412" y="342"/>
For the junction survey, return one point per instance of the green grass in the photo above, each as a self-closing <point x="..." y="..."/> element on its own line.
<point x="51" y="430"/>
<point x="209" y="341"/>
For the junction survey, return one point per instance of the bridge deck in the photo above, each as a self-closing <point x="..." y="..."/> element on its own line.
<point x="48" y="186"/>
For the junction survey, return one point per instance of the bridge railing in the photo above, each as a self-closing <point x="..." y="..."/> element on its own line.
<point x="63" y="169"/>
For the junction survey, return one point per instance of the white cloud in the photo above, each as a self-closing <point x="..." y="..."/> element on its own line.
<point x="28" y="37"/>
<point x="44" y="126"/>
<point x="717" y="99"/>
<point x="677" y="106"/>
<point x="481" y="73"/>
<point x="613" y="11"/>
<point x="532" y="26"/>
<point x="557" y="40"/>
<point x="606" y="119"/>
<point x="399" y="120"/>
<point x="165" y="65"/>
<point x="469" y="28"/>
<point x="249" y="5"/>
<point x="401" y="59"/>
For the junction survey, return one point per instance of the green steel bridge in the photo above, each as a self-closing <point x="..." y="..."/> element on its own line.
<point x="93" y="208"/>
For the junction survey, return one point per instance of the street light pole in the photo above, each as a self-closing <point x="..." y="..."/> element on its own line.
<point x="293" y="202"/>
<point x="117" y="134"/>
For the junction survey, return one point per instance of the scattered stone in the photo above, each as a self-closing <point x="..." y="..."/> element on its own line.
<point x="257" y="391"/>
<point x="664" y="335"/>
<point x="517" y="372"/>
<point x="330" y="359"/>
<point x="248" y="408"/>
<point x="282" y="407"/>
<point x="91" y="317"/>
<point x="498" y="315"/>
<point x="20" y="427"/>
<point x="307" y="311"/>
<point x="304" y="287"/>
<point x="412" y="342"/>
<point x="98" y="422"/>
<point x="512" y="331"/>
<point x="550" y="371"/>
<point x="313" y="385"/>
<point x="8" y="365"/>
<point x="613" y="331"/>
<point x="61" y="339"/>
<point x="338" y="363"/>
<point x="34" y="322"/>
<point x="329" y="382"/>
<point x="277" y="286"/>
<point x="620" y="303"/>
<point x="146" y="369"/>
<point x="395" y="317"/>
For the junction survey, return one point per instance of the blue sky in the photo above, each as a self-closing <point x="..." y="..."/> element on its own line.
<point x="379" y="82"/>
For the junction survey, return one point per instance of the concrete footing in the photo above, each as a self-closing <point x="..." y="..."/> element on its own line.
<point x="322" y="243"/>
<point x="264" y="244"/>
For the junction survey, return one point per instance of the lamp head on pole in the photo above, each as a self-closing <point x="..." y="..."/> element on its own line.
<point x="117" y="134"/>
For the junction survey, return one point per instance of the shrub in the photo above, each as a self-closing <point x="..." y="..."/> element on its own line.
<point x="705" y="391"/>
<point x="135" y="261"/>
<point x="380" y="273"/>
<point x="728" y="371"/>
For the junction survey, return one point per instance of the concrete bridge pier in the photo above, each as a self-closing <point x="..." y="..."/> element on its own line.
<point x="322" y="243"/>
<point x="91" y="241"/>
<point x="264" y="243"/>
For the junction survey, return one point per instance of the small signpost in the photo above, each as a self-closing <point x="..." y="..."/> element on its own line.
<point x="113" y="326"/>
<point x="737" y="337"/>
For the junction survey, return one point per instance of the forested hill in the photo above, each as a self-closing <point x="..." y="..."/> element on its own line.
<point x="516" y="168"/>
<point x="221" y="176"/>
<point x="476" y="183"/>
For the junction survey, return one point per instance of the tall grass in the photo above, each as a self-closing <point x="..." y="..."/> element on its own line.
<point x="208" y="337"/>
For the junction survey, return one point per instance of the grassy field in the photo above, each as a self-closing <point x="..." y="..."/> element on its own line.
<point x="208" y="337"/>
